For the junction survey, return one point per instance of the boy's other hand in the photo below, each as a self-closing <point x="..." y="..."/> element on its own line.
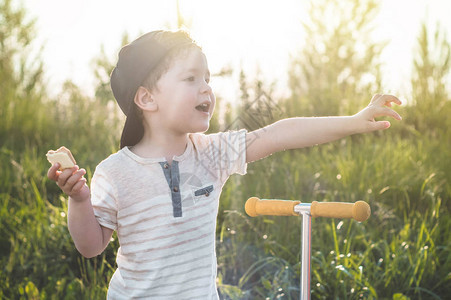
<point x="378" y="107"/>
<point x="70" y="181"/>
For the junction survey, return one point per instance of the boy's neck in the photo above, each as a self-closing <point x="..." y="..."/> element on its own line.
<point x="161" y="146"/>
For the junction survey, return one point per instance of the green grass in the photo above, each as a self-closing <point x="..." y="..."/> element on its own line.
<point x="402" y="250"/>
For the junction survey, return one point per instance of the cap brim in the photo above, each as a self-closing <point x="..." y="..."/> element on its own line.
<point x="133" y="129"/>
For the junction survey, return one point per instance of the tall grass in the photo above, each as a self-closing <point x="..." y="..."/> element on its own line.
<point x="38" y="257"/>
<point x="403" y="251"/>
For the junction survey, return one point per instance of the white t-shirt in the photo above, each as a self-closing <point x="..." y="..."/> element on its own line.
<point x="165" y="216"/>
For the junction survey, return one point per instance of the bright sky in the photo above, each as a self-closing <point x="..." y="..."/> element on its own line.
<point x="252" y="34"/>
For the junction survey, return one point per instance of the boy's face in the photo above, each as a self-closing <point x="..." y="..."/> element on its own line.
<point x="183" y="95"/>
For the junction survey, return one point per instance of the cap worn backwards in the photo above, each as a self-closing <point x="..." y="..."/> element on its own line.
<point x="135" y="62"/>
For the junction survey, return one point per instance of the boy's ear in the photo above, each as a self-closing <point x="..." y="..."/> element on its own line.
<point x="144" y="99"/>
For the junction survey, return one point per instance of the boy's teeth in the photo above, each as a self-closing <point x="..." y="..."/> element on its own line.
<point x="202" y="107"/>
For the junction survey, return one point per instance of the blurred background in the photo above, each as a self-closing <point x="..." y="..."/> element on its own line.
<point x="270" y="60"/>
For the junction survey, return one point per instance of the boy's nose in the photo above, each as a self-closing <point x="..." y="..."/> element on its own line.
<point x="206" y="88"/>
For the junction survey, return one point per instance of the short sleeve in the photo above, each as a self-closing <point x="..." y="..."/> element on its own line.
<point x="225" y="153"/>
<point x="234" y="148"/>
<point x="103" y="200"/>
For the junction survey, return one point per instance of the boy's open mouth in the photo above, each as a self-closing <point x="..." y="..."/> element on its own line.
<point x="204" y="107"/>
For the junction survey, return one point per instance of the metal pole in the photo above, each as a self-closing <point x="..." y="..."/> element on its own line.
<point x="306" y="255"/>
<point x="303" y="209"/>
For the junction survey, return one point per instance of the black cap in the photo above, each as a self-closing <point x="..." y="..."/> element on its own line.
<point x="136" y="60"/>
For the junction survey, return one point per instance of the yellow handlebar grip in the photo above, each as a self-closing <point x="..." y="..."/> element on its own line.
<point x="255" y="207"/>
<point x="359" y="211"/>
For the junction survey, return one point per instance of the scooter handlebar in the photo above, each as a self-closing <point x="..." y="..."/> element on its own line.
<point x="359" y="211"/>
<point x="255" y="207"/>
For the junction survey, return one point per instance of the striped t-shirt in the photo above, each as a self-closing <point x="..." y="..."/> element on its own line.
<point x="165" y="216"/>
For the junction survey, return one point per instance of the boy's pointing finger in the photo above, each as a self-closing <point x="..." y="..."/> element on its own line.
<point x="388" y="99"/>
<point x="385" y="111"/>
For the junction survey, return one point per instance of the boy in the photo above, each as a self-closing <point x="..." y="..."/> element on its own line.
<point x="160" y="192"/>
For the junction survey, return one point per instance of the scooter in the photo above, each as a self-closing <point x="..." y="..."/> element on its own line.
<point x="359" y="211"/>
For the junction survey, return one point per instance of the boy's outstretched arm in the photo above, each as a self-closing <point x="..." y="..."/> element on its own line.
<point x="296" y="133"/>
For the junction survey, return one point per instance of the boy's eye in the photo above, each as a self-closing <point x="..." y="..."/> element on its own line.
<point x="193" y="78"/>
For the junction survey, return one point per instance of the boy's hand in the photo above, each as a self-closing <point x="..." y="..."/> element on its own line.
<point x="71" y="181"/>
<point x="378" y="107"/>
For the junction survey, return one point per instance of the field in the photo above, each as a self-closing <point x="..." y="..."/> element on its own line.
<point x="402" y="252"/>
<point x="403" y="249"/>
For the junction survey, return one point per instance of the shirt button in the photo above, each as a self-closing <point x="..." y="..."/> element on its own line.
<point x="207" y="194"/>
<point x="175" y="189"/>
<point x="166" y="166"/>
